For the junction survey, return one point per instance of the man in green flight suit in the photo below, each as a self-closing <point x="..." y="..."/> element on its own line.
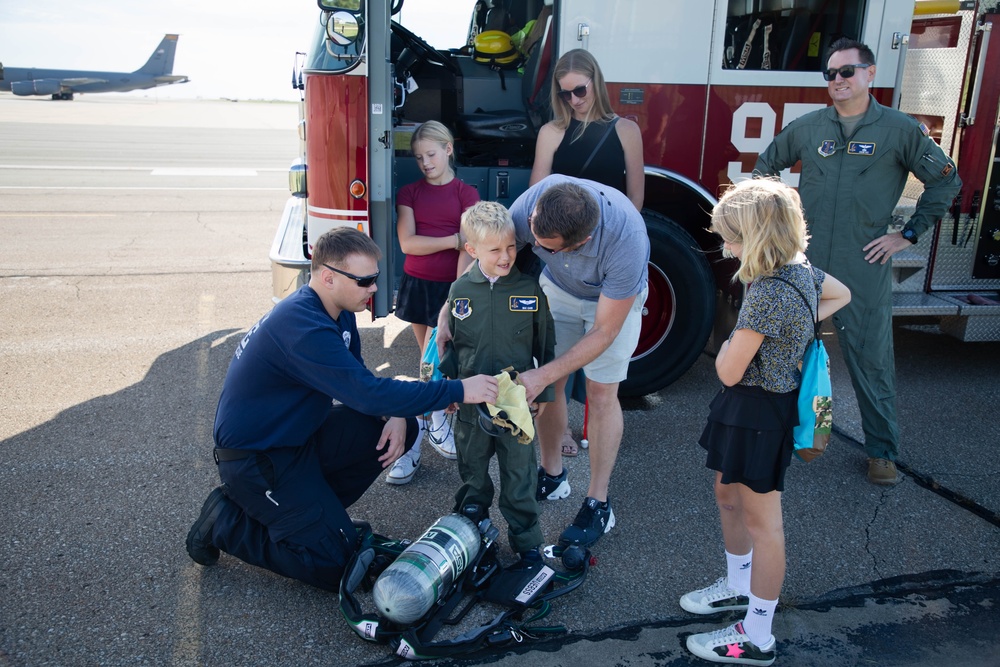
<point x="856" y="157"/>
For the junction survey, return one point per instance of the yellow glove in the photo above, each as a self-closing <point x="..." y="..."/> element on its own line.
<point x="511" y="409"/>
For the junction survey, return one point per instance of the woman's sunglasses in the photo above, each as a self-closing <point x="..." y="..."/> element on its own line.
<point x="362" y="281"/>
<point x="846" y="72"/>
<point x="579" y="91"/>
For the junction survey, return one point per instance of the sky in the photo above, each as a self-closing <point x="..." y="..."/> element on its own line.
<point x="230" y="50"/>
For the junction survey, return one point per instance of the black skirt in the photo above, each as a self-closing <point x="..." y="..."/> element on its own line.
<point x="419" y="301"/>
<point x="749" y="436"/>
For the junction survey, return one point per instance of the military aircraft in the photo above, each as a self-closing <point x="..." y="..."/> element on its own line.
<point x="62" y="83"/>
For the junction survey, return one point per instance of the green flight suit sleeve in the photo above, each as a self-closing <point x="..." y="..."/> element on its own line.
<point x="929" y="163"/>
<point x="780" y="154"/>
<point x="449" y="362"/>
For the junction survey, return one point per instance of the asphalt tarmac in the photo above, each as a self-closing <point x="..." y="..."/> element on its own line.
<point x="133" y="256"/>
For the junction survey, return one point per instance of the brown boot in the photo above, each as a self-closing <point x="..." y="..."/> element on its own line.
<point x="882" y="472"/>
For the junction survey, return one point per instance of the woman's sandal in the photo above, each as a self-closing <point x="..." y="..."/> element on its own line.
<point x="569" y="446"/>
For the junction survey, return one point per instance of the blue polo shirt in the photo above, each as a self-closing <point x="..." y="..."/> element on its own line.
<point x="292" y="365"/>
<point x="612" y="263"/>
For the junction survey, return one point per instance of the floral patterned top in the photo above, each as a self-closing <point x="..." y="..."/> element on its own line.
<point x="776" y="310"/>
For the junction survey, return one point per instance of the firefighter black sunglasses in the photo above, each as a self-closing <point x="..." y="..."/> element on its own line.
<point x="362" y="281"/>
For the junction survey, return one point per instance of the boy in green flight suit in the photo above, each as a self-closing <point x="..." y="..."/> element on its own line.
<point x="499" y="318"/>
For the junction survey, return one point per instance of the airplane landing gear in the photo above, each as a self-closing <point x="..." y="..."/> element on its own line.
<point x="62" y="96"/>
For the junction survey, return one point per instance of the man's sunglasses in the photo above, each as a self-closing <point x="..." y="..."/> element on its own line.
<point x="579" y="91"/>
<point x="362" y="281"/>
<point x="846" y="72"/>
<point x="548" y="250"/>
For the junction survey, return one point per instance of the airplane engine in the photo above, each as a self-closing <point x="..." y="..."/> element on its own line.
<point x="35" y="87"/>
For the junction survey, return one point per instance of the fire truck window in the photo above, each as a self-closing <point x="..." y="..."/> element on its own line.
<point x="443" y="25"/>
<point x="770" y="35"/>
<point x="938" y="33"/>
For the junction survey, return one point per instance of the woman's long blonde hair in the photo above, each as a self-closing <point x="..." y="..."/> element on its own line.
<point x="582" y="62"/>
<point x="765" y="216"/>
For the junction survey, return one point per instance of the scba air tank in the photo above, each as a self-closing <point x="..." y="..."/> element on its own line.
<point x="426" y="570"/>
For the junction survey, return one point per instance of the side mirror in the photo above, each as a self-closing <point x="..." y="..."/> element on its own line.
<point x="342" y="27"/>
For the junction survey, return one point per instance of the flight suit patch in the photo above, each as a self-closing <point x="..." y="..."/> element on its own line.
<point x="947" y="169"/>
<point x="461" y="309"/>
<point x="861" y="148"/>
<point x="526" y="304"/>
<point x="827" y="148"/>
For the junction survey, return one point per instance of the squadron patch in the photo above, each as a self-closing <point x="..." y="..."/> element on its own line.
<point x="861" y="148"/>
<point x="926" y="130"/>
<point x="526" y="304"/>
<point x="947" y="169"/>
<point x="461" y="308"/>
<point x="827" y="148"/>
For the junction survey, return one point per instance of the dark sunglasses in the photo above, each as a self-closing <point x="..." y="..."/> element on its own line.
<point x="548" y="250"/>
<point x="846" y="72"/>
<point x="362" y="281"/>
<point x="579" y="91"/>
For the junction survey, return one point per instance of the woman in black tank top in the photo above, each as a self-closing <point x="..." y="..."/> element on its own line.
<point x="586" y="139"/>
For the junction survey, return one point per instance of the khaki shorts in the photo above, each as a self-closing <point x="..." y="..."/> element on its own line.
<point x="574" y="317"/>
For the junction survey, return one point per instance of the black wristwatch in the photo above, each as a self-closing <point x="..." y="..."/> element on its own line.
<point x="909" y="235"/>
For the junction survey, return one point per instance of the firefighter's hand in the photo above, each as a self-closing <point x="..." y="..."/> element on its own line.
<point x="884" y="247"/>
<point x="480" y="389"/>
<point x="393" y="440"/>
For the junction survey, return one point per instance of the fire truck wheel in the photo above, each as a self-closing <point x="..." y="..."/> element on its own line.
<point x="678" y="313"/>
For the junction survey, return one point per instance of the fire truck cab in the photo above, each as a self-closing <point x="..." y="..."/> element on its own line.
<point x="709" y="84"/>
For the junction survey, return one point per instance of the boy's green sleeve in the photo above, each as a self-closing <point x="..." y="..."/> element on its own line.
<point x="448" y="365"/>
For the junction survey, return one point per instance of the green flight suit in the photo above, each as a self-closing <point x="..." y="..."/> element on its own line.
<point x="494" y="326"/>
<point x="849" y="187"/>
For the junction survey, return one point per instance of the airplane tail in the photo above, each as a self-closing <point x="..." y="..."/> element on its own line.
<point x="162" y="60"/>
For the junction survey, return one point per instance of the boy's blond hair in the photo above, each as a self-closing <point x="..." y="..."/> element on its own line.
<point x="486" y="219"/>
<point x="765" y="216"/>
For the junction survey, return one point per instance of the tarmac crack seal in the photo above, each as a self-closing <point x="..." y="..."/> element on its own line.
<point x="931" y="484"/>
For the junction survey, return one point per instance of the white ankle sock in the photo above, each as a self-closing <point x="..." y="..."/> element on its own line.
<point x="421" y="429"/>
<point x="757" y="624"/>
<point x="738" y="571"/>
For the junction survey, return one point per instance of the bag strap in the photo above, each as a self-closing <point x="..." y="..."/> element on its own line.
<point x="600" y="143"/>
<point x="813" y="317"/>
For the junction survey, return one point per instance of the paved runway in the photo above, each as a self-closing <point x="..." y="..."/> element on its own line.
<point x="133" y="255"/>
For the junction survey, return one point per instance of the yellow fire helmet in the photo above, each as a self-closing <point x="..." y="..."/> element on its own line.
<point x="495" y="48"/>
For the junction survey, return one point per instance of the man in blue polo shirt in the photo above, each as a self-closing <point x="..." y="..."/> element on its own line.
<point x="303" y="428"/>
<point x="595" y="248"/>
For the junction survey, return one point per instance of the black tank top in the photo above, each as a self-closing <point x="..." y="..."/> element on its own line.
<point x="607" y="166"/>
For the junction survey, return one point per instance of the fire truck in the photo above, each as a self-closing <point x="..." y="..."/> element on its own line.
<point x="709" y="83"/>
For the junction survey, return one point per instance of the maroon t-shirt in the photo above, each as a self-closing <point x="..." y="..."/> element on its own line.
<point x="437" y="211"/>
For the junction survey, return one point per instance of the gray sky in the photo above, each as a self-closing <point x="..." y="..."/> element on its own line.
<point x="242" y="50"/>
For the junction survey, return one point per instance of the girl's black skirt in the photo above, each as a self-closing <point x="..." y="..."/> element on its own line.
<point x="749" y="436"/>
<point x="419" y="301"/>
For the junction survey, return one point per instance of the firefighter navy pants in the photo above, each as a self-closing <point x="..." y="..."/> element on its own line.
<point x="289" y="506"/>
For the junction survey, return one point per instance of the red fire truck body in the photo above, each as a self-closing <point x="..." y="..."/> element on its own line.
<point x="709" y="84"/>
